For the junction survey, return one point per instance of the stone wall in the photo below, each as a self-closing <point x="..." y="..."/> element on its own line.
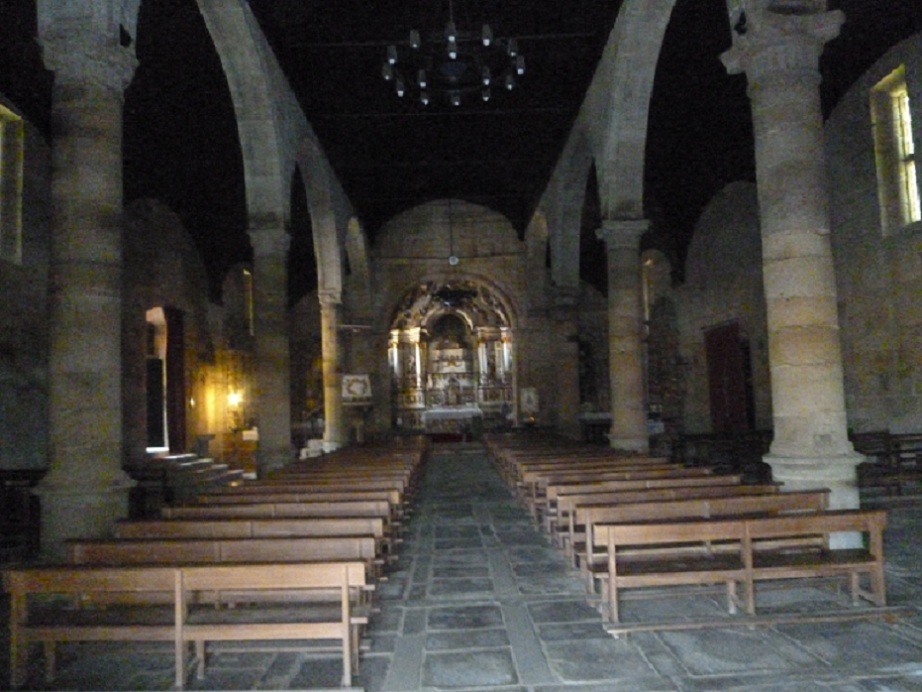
<point x="879" y="275"/>
<point x="723" y="284"/>
<point x="415" y="247"/>
<point x="24" y="318"/>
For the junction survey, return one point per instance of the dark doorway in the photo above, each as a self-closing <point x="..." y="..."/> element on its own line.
<point x="729" y="378"/>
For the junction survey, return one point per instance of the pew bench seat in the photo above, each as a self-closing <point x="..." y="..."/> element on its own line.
<point x="69" y="603"/>
<point x="743" y="552"/>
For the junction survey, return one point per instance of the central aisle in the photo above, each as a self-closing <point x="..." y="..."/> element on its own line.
<point x="479" y="600"/>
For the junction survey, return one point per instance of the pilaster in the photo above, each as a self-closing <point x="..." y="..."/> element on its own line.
<point x="625" y="334"/>
<point x="272" y="345"/>
<point x="779" y="53"/>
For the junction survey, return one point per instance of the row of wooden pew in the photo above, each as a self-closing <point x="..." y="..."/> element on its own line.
<point x="292" y="556"/>
<point x="635" y="522"/>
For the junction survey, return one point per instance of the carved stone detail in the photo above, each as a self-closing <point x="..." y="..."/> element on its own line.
<point x="269" y="242"/>
<point x="86" y="60"/>
<point x="622" y="234"/>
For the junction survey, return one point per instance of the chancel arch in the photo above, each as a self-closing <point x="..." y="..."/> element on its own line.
<point x="451" y="357"/>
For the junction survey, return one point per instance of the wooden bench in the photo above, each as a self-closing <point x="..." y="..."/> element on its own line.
<point x="894" y="459"/>
<point x="535" y="484"/>
<point x="177" y="604"/>
<point x="166" y="551"/>
<point x="555" y="491"/>
<point x="755" y="549"/>
<point x="307" y="508"/>
<point x="259" y="528"/>
<point x="567" y="531"/>
<point x="591" y="516"/>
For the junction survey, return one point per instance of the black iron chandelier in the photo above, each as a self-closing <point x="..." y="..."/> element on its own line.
<point x="452" y="64"/>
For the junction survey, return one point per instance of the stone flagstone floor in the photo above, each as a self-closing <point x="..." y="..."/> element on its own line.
<point x="479" y="601"/>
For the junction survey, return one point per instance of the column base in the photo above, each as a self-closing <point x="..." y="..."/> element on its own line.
<point x="630" y="445"/>
<point x="331" y="446"/>
<point x="269" y="460"/>
<point x="78" y="511"/>
<point x="813" y="473"/>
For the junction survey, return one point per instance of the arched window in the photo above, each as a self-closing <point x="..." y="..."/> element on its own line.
<point x="897" y="183"/>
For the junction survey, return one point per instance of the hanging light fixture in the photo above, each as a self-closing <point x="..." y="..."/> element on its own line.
<point x="452" y="64"/>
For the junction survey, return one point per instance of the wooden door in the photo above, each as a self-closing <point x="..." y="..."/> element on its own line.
<point x="728" y="365"/>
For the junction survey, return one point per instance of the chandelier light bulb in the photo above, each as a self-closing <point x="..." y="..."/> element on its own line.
<point x="462" y="62"/>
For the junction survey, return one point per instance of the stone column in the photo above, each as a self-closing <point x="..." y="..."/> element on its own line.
<point x="272" y="347"/>
<point x="566" y="361"/>
<point x="779" y="54"/>
<point x="334" y="431"/>
<point x="625" y="329"/>
<point x="85" y="489"/>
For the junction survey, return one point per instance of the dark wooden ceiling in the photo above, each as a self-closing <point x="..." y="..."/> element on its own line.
<point x="390" y="154"/>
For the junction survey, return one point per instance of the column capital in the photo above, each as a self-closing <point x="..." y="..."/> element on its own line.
<point x="622" y="234"/>
<point x="83" y="58"/>
<point x="330" y="297"/>
<point x="774" y="42"/>
<point x="269" y="242"/>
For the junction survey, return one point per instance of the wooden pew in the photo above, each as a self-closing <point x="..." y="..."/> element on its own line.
<point x="296" y="493"/>
<point x="536" y="483"/>
<point x="174" y="551"/>
<point x="338" y="508"/>
<point x="592" y="564"/>
<point x="638" y="555"/>
<point x="259" y="528"/>
<point x="115" y="604"/>
<point x="556" y="491"/>
<point x="568" y="532"/>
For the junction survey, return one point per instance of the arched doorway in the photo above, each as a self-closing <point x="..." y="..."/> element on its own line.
<point x="451" y="359"/>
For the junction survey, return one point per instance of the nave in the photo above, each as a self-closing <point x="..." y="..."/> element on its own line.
<point x="479" y="600"/>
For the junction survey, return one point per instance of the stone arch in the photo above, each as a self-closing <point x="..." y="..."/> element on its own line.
<point x="233" y="30"/>
<point x="564" y="206"/>
<point x="359" y="270"/>
<point x="328" y="246"/>
<point x="616" y="109"/>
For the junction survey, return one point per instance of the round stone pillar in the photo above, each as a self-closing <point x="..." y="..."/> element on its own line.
<point x="272" y="348"/>
<point x="779" y="53"/>
<point x="566" y="361"/>
<point x="334" y="432"/>
<point x="85" y="489"/>
<point x="625" y="329"/>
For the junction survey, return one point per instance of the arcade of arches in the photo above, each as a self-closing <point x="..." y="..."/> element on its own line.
<point x="451" y="318"/>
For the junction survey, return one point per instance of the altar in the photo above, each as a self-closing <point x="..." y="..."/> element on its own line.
<point x="453" y="420"/>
